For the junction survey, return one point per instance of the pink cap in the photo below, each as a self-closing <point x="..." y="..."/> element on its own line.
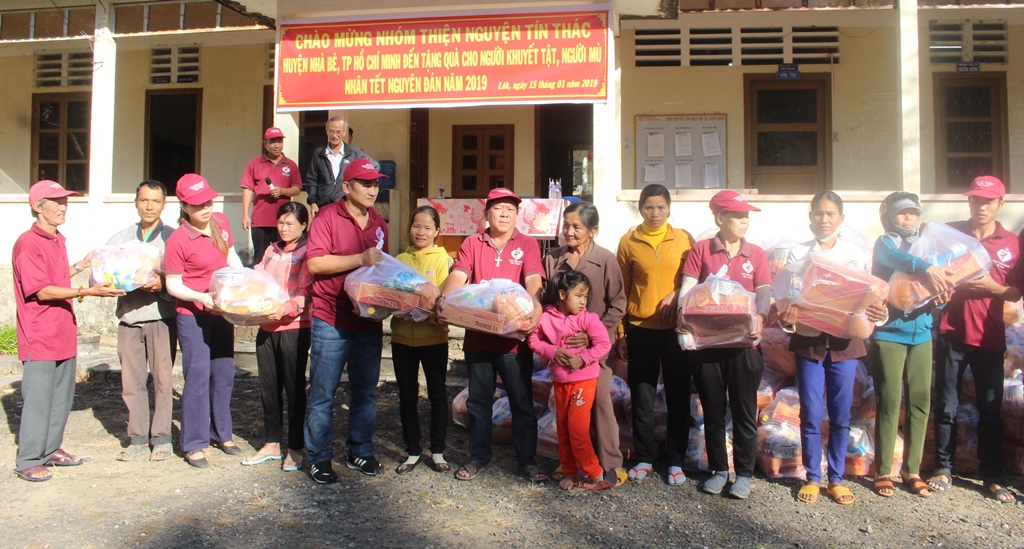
<point x="47" y="189"/>
<point x="271" y="133"/>
<point x="193" y="189"/>
<point x="500" y="193"/>
<point x="986" y="186"/>
<point x="730" y="201"/>
<point x="363" y="170"/>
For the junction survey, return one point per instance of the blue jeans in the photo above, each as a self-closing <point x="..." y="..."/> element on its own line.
<point x="331" y="349"/>
<point x="515" y="371"/>
<point x="834" y="381"/>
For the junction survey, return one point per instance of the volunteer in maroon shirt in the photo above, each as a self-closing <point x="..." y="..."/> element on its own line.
<point x="344" y="236"/>
<point x="501" y="251"/>
<point x="47" y="332"/>
<point x="732" y="372"/>
<point x="972" y="334"/>
<point x="269" y="181"/>
<point x="200" y="245"/>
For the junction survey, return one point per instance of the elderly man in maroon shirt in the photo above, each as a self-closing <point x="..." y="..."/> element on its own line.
<point x="47" y="332"/>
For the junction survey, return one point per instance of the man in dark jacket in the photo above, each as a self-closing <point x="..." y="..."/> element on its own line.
<point x="324" y="176"/>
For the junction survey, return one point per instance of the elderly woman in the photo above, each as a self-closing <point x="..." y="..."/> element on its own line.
<point x="826" y="365"/>
<point x="651" y="260"/>
<point x="608" y="301"/>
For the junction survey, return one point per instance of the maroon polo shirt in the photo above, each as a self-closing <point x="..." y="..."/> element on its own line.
<point x="195" y="256"/>
<point x="481" y="261"/>
<point x="284" y="174"/>
<point x="335" y="232"/>
<point x="749" y="267"/>
<point x="979" y="321"/>
<point x="46" y="330"/>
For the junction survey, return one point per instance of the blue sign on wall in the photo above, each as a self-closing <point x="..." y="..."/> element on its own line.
<point x="788" y="71"/>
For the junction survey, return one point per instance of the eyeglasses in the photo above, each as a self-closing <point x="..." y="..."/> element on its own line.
<point x="335" y="132"/>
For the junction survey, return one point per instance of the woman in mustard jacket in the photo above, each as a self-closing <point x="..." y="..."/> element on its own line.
<point x="426" y="342"/>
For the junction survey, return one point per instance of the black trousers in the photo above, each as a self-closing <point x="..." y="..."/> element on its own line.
<point x="654" y="352"/>
<point x="435" y="369"/>
<point x="281" y="359"/>
<point x="262" y="238"/>
<point x="734" y="374"/>
<point x="515" y="370"/>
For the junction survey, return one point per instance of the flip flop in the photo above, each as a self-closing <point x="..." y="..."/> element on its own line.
<point x="639" y="474"/>
<point x="841" y="494"/>
<point x="259" y="458"/>
<point x="676" y="479"/>
<point x="808" y="493"/>
<point x="937" y="484"/>
<point x="1000" y="493"/>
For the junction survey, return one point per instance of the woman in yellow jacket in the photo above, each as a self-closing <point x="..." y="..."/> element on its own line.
<point x="651" y="260"/>
<point x="426" y="342"/>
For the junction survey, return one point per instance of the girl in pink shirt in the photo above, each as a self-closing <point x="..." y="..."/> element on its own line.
<point x="574" y="373"/>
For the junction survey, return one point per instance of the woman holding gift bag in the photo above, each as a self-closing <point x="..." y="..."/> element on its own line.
<point x="730" y="372"/>
<point x="650" y="259"/>
<point x="282" y="346"/>
<point x="901" y="349"/>
<point x="825" y="364"/>
<point x="200" y="245"/>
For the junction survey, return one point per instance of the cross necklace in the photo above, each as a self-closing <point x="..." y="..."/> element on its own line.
<point x="497" y="256"/>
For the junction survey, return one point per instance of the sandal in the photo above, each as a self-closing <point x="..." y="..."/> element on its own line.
<point x="290" y="463"/>
<point x="258" y="458"/>
<point x="917" y="487"/>
<point x="594" y="485"/>
<point x="1000" y="493"/>
<point x="161" y="452"/>
<point x="132" y="452"/>
<point x="533" y="473"/>
<point x="38" y="473"/>
<point x="677" y="478"/>
<point x="884" y="487"/>
<point x="406" y="467"/>
<point x="567" y="483"/>
<point x="639" y="472"/>
<point x="809" y="493"/>
<point x="558" y="474"/>
<point x="940" y="481"/>
<point x="841" y="494"/>
<point x="197" y="462"/>
<point x="440" y="466"/>
<point x="469" y="471"/>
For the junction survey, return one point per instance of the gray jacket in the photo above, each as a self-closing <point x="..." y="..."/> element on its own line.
<point x="142" y="306"/>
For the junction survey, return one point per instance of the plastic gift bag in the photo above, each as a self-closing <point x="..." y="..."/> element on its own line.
<point x="497" y="306"/>
<point x="245" y="296"/>
<point x="547" y="436"/>
<point x="718" y="313"/>
<point x="829" y="297"/>
<point x="784" y="409"/>
<point x="778" y="255"/>
<point x="942" y="246"/>
<point x="127" y="266"/>
<point x="778" y="451"/>
<point x="501" y="419"/>
<point x="391" y="288"/>
<point x="778" y="359"/>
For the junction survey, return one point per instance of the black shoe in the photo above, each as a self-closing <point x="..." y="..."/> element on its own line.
<point x="323" y="473"/>
<point x="367" y="465"/>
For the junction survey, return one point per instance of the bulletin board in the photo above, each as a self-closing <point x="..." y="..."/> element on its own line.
<point x="681" y="151"/>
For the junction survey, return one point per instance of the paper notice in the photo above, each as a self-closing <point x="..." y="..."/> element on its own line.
<point x="654" y="173"/>
<point x="711" y="176"/>
<point x="711" y="145"/>
<point x="684" y="176"/>
<point x="655" y="145"/>
<point x="684" y="144"/>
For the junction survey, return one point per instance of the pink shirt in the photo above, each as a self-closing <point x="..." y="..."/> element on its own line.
<point x="288" y="267"/>
<point x="979" y="321"/>
<point x="46" y="330"/>
<point x="284" y="174"/>
<point x="480" y="260"/>
<point x="335" y="232"/>
<point x="551" y="334"/>
<point x="749" y="267"/>
<point x="195" y="256"/>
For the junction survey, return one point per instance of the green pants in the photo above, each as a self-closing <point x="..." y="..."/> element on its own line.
<point x="897" y="366"/>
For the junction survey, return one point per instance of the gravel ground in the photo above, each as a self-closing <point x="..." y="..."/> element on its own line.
<point x="107" y="503"/>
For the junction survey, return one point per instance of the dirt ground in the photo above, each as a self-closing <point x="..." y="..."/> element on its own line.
<point x="106" y="503"/>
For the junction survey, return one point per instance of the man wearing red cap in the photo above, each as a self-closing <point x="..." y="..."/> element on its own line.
<point x="324" y="177"/>
<point x="972" y="334"/>
<point x="499" y="252"/>
<point x="270" y="179"/>
<point x="344" y="236"/>
<point x="47" y="332"/>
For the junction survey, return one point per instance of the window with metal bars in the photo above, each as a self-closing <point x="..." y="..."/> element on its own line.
<point x="63" y="69"/>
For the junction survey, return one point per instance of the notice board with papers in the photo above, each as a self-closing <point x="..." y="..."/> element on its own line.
<point x="681" y="151"/>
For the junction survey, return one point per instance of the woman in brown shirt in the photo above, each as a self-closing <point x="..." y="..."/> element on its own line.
<point x="608" y="301"/>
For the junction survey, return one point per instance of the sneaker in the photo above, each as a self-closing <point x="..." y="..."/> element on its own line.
<point x="323" y="473"/>
<point x="367" y="465"/>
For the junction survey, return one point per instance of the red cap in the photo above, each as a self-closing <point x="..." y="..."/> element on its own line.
<point x="363" y="170"/>
<point x="193" y="189"/>
<point x="500" y="193"/>
<point x="730" y="201"/>
<point x="271" y="133"/>
<point x="986" y="186"/>
<point x="47" y="189"/>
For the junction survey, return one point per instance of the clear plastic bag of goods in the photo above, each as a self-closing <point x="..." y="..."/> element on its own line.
<point x="943" y="246"/>
<point x="1013" y="358"/>
<point x="718" y="313"/>
<point x="778" y="254"/>
<point x="696" y="458"/>
<point x="501" y="419"/>
<point x="778" y="451"/>
<point x="696" y="409"/>
<point x="829" y="297"/>
<point x="245" y="297"/>
<point x="391" y="288"/>
<point x="778" y="359"/>
<point x="860" y="452"/>
<point x="541" y="384"/>
<point x="622" y="399"/>
<point x="1013" y="397"/>
<point x="497" y="306"/>
<point x="460" y="413"/>
<point x="784" y="409"/>
<point x="127" y="266"/>
<point x="547" y="435"/>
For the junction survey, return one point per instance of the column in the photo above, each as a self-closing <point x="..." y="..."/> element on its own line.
<point x="101" y="130"/>
<point x="608" y="152"/>
<point x="910" y="96"/>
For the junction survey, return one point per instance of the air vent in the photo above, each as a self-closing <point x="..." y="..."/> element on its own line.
<point x="174" y="65"/>
<point x="63" y="69"/>
<point x="710" y="47"/>
<point x="763" y="46"/>
<point x="749" y="45"/>
<point x="658" y="47"/>
<point x="815" y="45"/>
<point x="957" y="42"/>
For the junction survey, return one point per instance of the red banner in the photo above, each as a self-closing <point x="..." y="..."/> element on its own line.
<point x="557" y="57"/>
